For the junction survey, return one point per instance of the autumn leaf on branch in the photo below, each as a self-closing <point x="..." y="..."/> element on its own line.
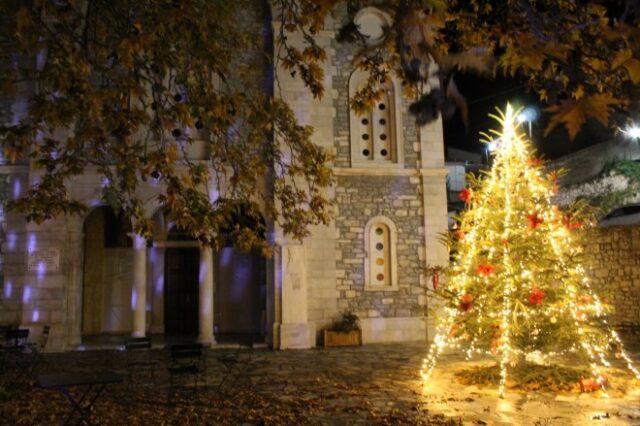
<point x="420" y="29"/>
<point x="143" y="84"/>
<point x="528" y="54"/>
<point x="573" y="113"/>
<point x="624" y="59"/>
<point x="479" y="60"/>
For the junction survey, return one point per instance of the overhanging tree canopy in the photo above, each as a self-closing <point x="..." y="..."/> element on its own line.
<point x="127" y="87"/>
<point x="135" y="82"/>
<point x="582" y="58"/>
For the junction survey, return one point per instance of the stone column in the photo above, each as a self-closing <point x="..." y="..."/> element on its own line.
<point x="75" y="262"/>
<point x="139" y="289"/>
<point x="434" y="193"/>
<point x="206" y="296"/>
<point x="294" y="331"/>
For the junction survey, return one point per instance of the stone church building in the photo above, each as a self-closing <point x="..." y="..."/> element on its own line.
<point x="87" y="276"/>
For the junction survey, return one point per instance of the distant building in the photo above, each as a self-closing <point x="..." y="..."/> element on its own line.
<point x="459" y="163"/>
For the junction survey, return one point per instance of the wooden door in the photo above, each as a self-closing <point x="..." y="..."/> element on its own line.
<point x="240" y="293"/>
<point x="181" y="304"/>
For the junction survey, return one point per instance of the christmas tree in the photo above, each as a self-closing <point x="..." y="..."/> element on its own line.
<point x="516" y="288"/>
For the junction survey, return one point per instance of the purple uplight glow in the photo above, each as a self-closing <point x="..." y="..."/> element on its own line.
<point x="139" y="242"/>
<point x="26" y="294"/>
<point x="225" y="256"/>
<point x="159" y="284"/>
<point x="42" y="269"/>
<point x="203" y="271"/>
<point x="35" y="316"/>
<point x="134" y="299"/>
<point x="33" y="242"/>
<point x="17" y="188"/>
<point x="12" y="238"/>
<point x="8" y="289"/>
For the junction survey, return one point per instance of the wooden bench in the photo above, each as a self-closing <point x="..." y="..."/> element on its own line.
<point x="186" y="359"/>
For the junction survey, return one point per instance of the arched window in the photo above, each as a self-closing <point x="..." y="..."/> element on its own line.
<point x="376" y="136"/>
<point x="381" y="272"/>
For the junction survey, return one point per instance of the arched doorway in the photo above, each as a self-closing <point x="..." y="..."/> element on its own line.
<point x="107" y="274"/>
<point x="240" y="285"/>
<point x="181" y="293"/>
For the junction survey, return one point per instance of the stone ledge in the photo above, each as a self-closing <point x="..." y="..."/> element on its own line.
<point x="296" y="336"/>
<point x="388" y="171"/>
<point x="393" y="329"/>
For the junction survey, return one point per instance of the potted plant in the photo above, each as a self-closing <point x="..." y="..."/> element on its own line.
<point x="345" y="331"/>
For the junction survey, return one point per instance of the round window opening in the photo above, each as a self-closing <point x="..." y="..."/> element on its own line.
<point x="379" y="261"/>
<point x="383" y="137"/>
<point x="383" y="152"/>
<point x="365" y="136"/>
<point x="382" y="106"/>
<point x="365" y="152"/>
<point x="371" y="23"/>
<point x="365" y="121"/>
<point x="379" y="246"/>
<point x="379" y="231"/>
<point x="380" y="277"/>
<point x="382" y="121"/>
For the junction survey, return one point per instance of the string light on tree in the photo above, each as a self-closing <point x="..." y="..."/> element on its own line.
<point x="516" y="288"/>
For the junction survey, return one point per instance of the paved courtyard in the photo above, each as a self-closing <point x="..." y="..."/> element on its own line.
<point x="375" y="384"/>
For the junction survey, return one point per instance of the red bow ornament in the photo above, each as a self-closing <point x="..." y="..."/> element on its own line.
<point x="465" y="195"/>
<point x="536" y="297"/>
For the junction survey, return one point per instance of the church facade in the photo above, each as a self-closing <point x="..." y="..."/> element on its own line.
<point x="90" y="275"/>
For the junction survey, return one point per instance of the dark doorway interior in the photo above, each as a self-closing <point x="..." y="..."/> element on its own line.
<point x="181" y="304"/>
<point x="106" y="304"/>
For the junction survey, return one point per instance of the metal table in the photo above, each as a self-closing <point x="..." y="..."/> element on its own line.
<point x="92" y="384"/>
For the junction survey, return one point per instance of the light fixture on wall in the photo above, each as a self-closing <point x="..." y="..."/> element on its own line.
<point x="528" y="115"/>
<point x="632" y="132"/>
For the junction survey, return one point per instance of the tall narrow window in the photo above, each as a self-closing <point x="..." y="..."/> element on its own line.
<point x="380" y="262"/>
<point x="376" y="137"/>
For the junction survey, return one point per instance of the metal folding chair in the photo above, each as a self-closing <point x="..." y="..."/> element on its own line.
<point x="138" y="352"/>
<point x="186" y="360"/>
<point x="237" y="365"/>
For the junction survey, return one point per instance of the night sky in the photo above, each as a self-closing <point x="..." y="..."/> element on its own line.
<point x="483" y="95"/>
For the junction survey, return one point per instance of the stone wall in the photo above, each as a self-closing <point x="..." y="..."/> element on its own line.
<point x="412" y="195"/>
<point x="343" y="60"/>
<point x="615" y="271"/>
<point x="360" y="198"/>
<point x="13" y="259"/>
<point x="588" y="163"/>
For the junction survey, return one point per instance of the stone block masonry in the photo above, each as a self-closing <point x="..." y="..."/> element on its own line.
<point x="360" y="198"/>
<point x="343" y="61"/>
<point x="615" y="271"/>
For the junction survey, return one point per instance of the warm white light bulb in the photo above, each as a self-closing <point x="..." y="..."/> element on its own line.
<point x="633" y="132"/>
